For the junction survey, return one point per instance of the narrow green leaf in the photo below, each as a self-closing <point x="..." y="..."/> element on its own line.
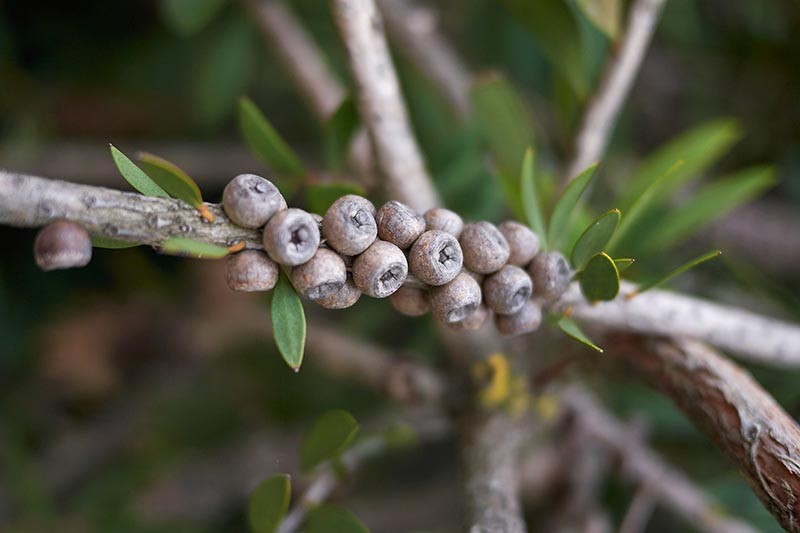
<point x="329" y="518"/>
<point x="338" y="132"/>
<point x="322" y="195"/>
<point x="534" y="210"/>
<point x="697" y="148"/>
<point x="187" y="17"/>
<point x="565" y="205"/>
<point x="709" y="203"/>
<point x="623" y="263"/>
<point x="269" y="503"/>
<point x="135" y="176"/>
<point x="683" y="268"/>
<point x="328" y="438"/>
<point x="570" y="327"/>
<point x="172" y="179"/>
<point x="190" y="248"/>
<point x="112" y="244"/>
<point x="288" y="322"/>
<point x="594" y="238"/>
<point x="605" y="14"/>
<point x="599" y="281"/>
<point x="266" y="143"/>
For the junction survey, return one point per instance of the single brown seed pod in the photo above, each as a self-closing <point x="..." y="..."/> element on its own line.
<point x="62" y="244"/>
<point x="380" y="270"/>
<point x="445" y="220"/>
<point x="435" y="258"/>
<point x="551" y="275"/>
<point x="291" y="237"/>
<point x="250" y="271"/>
<point x="525" y="320"/>
<point x="398" y="224"/>
<point x="473" y="321"/>
<point x="410" y="301"/>
<point x="321" y="276"/>
<point x="456" y="300"/>
<point x="346" y="297"/>
<point x="507" y="290"/>
<point x="250" y="200"/>
<point x="523" y="244"/>
<point x="484" y="247"/>
<point x="349" y="225"/>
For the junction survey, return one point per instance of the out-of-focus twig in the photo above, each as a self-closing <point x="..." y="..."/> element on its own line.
<point x="599" y="118"/>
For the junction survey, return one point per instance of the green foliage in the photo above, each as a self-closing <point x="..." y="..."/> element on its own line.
<point x="190" y="248"/>
<point x="329" y="437"/>
<point x="565" y="206"/>
<point x="623" y="263"/>
<point x="135" y="176"/>
<point x="329" y="518"/>
<point x="606" y="15"/>
<point x="320" y="196"/>
<point x="269" y="503"/>
<point x="187" y="17"/>
<point x="571" y="328"/>
<point x="683" y="268"/>
<point x="268" y="145"/>
<point x="172" y="179"/>
<point x="594" y="238"/>
<point x="531" y="201"/>
<point x="599" y="281"/>
<point x="338" y="132"/>
<point x="113" y="244"/>
<point x="288" y="322"/>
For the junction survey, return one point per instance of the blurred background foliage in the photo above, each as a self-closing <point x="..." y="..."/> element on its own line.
<point x="118" y="341"/>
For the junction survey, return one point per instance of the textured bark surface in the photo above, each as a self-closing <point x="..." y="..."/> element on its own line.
<point x="492" y="475"/>
<point x="745" y="422"/>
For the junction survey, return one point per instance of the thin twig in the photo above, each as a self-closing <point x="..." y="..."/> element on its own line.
<point x="639" y="511"/>
<point x="381" y="104"/>
<point x="600" y="116"/>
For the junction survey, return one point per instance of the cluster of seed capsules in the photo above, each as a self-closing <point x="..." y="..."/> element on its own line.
<point x="462" y="273"/>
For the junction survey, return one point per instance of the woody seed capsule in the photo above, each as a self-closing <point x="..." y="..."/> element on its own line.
<point x="523" y="243"/>
<point x="551" y="275"/>
<point x="62" y="244"/>
<point x="456" y="300"/>
<point x="250" y="200"/>
<point x="410" y="301"/>
<point x="251" y="270"/>
<point x="484" y="247"/>
<point x="398" y="224"/>
<point x="346" y="297"/>
<point x="525" y="320"/>
<point x="380" y="270"/>
<point x="321" y="276"/>
<point x="445" y="220"/>
<point x="507" y="290"/>
<point x="291" y="237"/>
<point x="349" y="225"/>
<point x="473" y="321"/>
<point x="435" y="258"/>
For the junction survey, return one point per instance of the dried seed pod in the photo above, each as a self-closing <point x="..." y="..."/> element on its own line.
<point x="318" y="219"/>
<point x="398" y="224"/>
<point x="251" y="270"/>
<point x="321" y="276"/>
<point x="473" y="321"/>
<point x="525" y="320"/>
<point x="250" y="200"/>
<point x="456" y="300"/>
<point x="380" y="270"/>
<point x="507" y="290"/>
<point x="410" y="301"/>
<point x="523" y="243"/>
<point x="62" y="244"/>
<point x="346" y="297"/>
<point x="349" y="225"/>
<point x="445" y="220"/>
<point x="291" y="237"/>
<point x="551" y="275"/>
<point x="435" y="258"/>
<point x="484" y="247"/>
